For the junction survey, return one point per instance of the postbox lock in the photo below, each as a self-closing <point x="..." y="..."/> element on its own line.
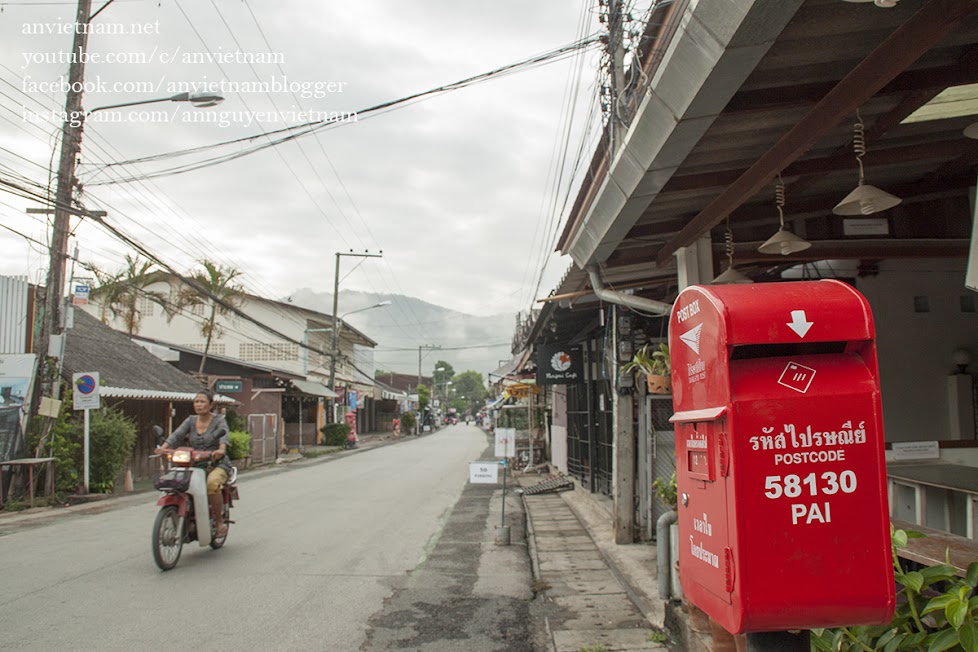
<point x="724" y="454"/>
<point x="685" y="499"/>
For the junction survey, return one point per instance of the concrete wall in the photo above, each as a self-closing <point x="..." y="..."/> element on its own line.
<point x="915" y="347"/>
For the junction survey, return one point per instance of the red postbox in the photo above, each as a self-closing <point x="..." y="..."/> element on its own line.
<point x="783" y="519"/>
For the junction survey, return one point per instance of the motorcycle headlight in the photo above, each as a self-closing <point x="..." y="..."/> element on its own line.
<point x="181" y="457"/>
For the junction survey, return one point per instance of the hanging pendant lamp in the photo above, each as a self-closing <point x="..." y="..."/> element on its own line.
<point x="783" y="242"/>
<point x="865" y="199"/>
<point x="731" y="276"/>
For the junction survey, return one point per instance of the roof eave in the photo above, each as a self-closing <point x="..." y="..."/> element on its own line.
<point x="708" y="59"/>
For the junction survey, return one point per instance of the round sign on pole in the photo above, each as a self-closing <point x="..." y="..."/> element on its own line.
<point x="86" y="394"/>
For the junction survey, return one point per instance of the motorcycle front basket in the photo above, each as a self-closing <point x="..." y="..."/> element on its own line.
<point x="174" y="480"/>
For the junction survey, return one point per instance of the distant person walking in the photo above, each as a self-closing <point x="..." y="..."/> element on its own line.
<point x="397" y="427"/>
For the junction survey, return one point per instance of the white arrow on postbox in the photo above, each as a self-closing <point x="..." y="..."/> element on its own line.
<point x="799" y="323"/>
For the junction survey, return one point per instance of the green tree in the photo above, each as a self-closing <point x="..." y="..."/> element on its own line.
<point x="119" y="294"/>
<point x="215" y="286"/>
<point x="441" y="377"/>
<point x="468" y="384"/>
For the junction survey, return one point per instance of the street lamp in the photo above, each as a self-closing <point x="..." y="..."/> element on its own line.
<point x="198" y="100"/>
<point x="66" y="182"/>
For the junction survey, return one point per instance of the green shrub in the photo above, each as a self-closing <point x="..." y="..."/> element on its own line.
<point x="935" y="610"/>
<point x="240" y="446"/>
<point x="407" y="421"/>
<point x="59" y="444"/>
<point x="111" y="438"/>
<point x="111" y="434"/>
<point x="334" y="434"/>
<point x="235" y="422"/>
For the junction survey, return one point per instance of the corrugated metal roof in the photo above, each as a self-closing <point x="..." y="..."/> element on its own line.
<point x="13" y="314"/>
<point x="156" y="395"/>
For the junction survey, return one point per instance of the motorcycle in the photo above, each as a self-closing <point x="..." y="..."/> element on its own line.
<point x="184" y="514"/>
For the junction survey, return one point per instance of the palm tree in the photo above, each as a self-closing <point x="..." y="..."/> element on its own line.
<point x="214" y="285"/>
<point x="119" y="294"/>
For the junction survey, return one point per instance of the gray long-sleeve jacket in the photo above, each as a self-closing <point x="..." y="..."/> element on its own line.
<point x="210" y="440"/>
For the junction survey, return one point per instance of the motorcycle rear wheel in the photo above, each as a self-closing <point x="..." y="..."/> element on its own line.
<point x="167" y="538"/>
<point x="217" y="542"/>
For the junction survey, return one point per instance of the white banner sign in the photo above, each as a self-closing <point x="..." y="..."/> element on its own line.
<point x="916" y="450"/>
<point x="483" y="472"/>
<point x="505" y="442"/>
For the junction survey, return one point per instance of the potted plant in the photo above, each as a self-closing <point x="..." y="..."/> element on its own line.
<point x="654" y="365"/>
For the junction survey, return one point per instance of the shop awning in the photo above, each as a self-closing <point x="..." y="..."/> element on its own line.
<point x="314" y="389"/>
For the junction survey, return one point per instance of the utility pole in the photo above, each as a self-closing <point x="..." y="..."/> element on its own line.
<point x="430" y="347"/>
<point x="615" y="51"/>
<point x="333" y="352"/>
<point x="71" y="132"/>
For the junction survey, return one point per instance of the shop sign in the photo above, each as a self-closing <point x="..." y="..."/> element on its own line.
<point x="559" y="365"/>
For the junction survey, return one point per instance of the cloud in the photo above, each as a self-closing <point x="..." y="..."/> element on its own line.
<point x="450" y="188"/>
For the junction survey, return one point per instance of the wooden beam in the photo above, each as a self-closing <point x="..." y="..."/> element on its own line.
<point x="903" y="47"/>
<point x="845" y="159"/>
<point x="934" y="79"/>
<point x="955" y="177"/>
<point x="747" y="253"/>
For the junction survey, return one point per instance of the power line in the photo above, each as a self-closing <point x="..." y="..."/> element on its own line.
<point x="312" y="127"/>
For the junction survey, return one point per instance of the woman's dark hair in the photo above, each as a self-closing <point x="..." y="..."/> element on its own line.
<point x="207" y="393"/>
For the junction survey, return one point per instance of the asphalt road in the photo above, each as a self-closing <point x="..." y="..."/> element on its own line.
<point x="389" y="548"/>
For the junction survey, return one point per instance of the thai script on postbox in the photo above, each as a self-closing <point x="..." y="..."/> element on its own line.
<point x="790" y="438"/>
<point x="809" y="496"/>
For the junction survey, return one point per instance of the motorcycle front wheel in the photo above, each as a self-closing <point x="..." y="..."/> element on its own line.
<point x="167" y="538"/>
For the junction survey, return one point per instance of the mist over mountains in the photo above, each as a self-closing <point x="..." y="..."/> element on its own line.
<point x="473" y="342"/>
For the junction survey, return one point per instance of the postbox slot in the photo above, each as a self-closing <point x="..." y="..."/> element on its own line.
<point x="786" y="349"/>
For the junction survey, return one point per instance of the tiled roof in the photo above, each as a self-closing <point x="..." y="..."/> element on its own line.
<point x="121" y="363"/>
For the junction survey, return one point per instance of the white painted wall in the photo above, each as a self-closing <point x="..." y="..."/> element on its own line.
<point x="558" y="428"/>
<point x="184" y="330"/>
<point x="915" y="348"/>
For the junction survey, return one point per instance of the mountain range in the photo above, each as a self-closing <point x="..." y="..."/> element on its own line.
<point x="468" y="342"/>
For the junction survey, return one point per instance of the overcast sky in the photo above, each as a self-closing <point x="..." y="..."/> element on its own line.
<point x="453" y="189"/>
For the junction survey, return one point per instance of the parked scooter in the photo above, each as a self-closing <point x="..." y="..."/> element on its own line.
<point x="184" y="515"/>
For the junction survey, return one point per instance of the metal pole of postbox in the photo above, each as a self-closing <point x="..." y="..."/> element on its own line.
<point x="779" y="641"/>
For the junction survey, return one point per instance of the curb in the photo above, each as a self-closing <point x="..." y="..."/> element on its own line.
<point x="531" y="548"/>
<point x="39" y="516"/>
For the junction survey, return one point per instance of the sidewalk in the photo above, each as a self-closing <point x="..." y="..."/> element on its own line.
<point x="608" y="593"/>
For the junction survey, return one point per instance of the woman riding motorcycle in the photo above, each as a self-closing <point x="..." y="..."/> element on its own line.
<point x="207" y="431"/>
